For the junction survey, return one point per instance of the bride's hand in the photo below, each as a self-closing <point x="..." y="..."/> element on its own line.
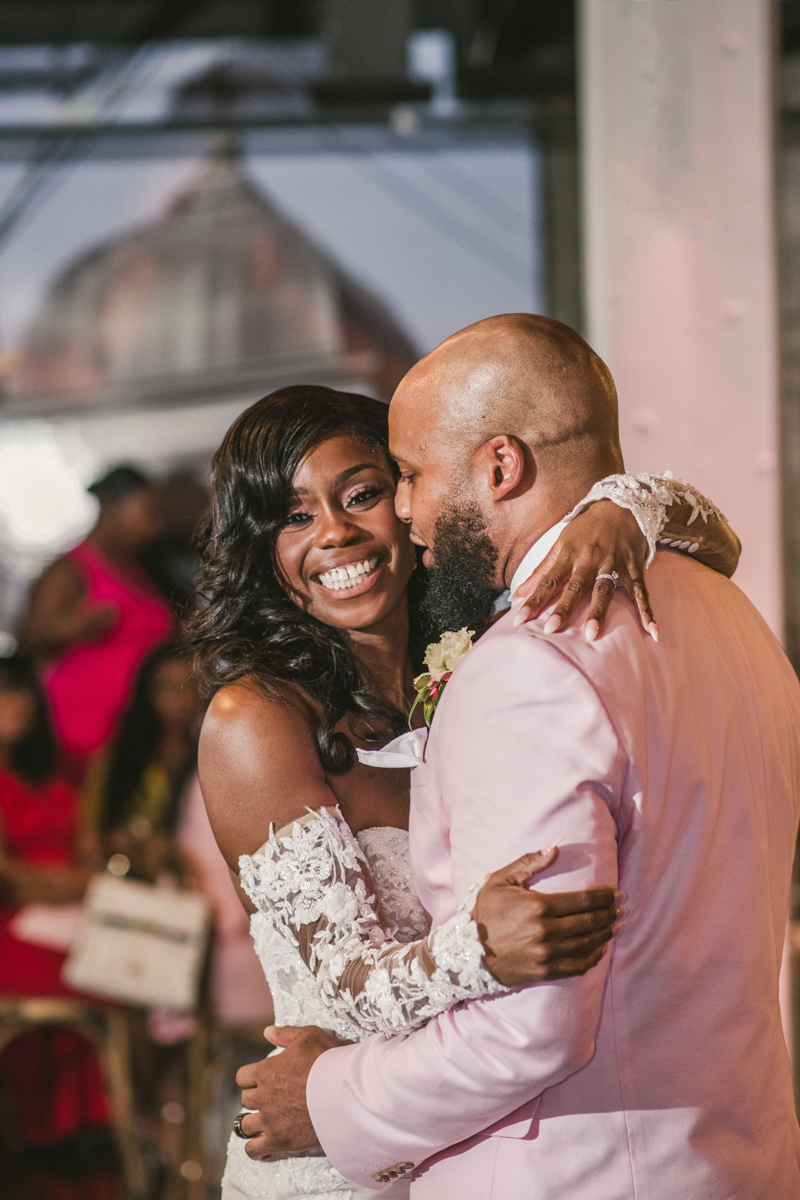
<point x="533" y="936"/>
<point x="602" y="540"/>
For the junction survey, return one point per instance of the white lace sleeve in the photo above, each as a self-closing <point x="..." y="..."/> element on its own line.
<point x="312" y="882"/>
<point x="649" y="497"/>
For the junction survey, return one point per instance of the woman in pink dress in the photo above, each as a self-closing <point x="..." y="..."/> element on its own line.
<point x="94" y="615"/>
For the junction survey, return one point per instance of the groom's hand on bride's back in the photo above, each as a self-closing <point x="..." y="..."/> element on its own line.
<point x="530" y="936"/>
<point x="276" y="1088"/>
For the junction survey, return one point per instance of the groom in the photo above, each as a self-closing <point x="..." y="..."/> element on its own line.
<point x="671" y="768"/>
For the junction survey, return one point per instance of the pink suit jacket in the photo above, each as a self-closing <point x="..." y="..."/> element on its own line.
<point x="674" y="769"/>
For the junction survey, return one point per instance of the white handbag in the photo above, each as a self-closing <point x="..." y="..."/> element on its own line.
<point x="140" y="944"/>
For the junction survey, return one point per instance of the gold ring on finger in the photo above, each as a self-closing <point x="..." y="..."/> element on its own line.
<point x="237" y="1126"/>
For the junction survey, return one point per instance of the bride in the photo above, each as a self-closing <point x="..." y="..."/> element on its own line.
<point x="308" y="643"/>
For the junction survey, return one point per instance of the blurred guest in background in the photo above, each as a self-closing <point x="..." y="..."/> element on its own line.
<point x="94" y="614"/>
<point x="49" y="1078"/>
<point x="172" y="560"/>
<point x="47" y="851"/>
<point x="133" y="796"/>
<point x="133" y="787"/>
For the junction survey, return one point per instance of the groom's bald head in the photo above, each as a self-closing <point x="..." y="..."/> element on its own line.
<point x="520" y="374"/>
<point x="515" y="385"/>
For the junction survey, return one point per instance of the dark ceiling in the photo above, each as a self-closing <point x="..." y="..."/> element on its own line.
<point x="132" y="21"/>
<point x="505" y="47"/>
<point x="790" y="24"/>
<point x="517" y="23"/>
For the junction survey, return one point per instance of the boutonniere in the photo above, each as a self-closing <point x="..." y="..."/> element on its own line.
<point x="441" y="659"/>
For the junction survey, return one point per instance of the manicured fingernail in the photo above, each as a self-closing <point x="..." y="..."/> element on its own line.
<point x="621" y="912"/>
<point x="592" y="629"/>
<point x="620" y="897"/>
<point x="652" y="629"/>
<point x="521" y="616"/>
<point x="553" y="624"/>
<point x="615" y="928"/>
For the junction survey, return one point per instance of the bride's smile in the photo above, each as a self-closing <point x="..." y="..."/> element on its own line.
<point x="350" y="576"/>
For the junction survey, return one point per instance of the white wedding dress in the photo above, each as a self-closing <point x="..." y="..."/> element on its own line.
<point x="340" y="932"/>
<point x="337" y="957"/>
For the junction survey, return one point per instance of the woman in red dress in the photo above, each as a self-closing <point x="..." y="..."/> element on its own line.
<point x="51" y="1076"/>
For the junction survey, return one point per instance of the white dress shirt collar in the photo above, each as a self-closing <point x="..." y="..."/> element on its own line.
<point x="538" y="551"/>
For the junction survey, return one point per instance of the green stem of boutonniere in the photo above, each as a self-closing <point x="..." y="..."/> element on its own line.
<point x="429" y="691"/>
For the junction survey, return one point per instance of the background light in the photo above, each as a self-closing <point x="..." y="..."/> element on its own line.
<point x="42" y="497"/>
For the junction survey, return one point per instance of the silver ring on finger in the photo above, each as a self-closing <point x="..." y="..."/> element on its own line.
<point x="612" y="575"/>
<point x="237" y="1126"/>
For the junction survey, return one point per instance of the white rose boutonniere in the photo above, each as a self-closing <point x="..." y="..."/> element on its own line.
<point x="441" y="658"/>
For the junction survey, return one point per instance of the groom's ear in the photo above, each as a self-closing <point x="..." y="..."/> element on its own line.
<point x="503" y="465"/>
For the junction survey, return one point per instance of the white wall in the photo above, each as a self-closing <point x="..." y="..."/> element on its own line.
<point x="677" y="159"/>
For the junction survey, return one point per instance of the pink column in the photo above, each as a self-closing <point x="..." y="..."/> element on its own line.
<point x="677" y="160"/>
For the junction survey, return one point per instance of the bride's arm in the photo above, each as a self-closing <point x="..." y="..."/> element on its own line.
<point x="312" y="882"/>
<point x="615" y="529"/>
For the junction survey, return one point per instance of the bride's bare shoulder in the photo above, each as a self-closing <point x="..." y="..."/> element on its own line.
<point x="258" y="765"/>
<point x="245" y="701"/>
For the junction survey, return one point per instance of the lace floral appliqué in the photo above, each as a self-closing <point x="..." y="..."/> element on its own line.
<point x="314" y="886"/>
<point x="648" y="497"/>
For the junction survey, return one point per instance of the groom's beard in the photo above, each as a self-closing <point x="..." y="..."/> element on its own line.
<point x="460" y="591"/>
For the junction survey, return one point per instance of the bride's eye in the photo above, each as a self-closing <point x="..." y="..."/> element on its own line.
<point x="297" y="518"/>
<point x="365" y="494"/>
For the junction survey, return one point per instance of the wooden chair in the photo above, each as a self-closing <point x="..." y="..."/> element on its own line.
<point x="213" y="1053"/>
<point x="107" y="1030"/>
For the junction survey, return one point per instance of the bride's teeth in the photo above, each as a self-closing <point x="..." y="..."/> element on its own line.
<point x="343" y="577"/>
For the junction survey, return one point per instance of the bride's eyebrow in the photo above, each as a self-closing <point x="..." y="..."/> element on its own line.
<point x="342" y="477"/>
<point x="365" y="466"/>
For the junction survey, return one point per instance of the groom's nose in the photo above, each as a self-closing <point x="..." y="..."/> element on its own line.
<point x="402" y="502"/>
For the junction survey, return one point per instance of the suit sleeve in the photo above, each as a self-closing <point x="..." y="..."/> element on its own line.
<point x="527" y="757"/>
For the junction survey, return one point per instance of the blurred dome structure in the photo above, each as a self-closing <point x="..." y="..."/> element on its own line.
<point x="222" y="296"/>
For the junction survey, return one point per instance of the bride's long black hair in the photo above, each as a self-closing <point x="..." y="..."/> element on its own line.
<point x="245" y="624"/>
